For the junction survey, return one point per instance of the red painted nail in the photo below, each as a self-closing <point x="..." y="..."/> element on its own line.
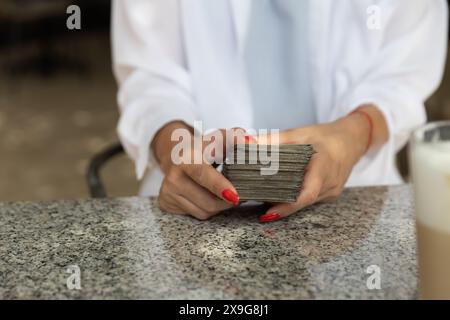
<point x="230" y="196"/>
<point x="271" y="216"/>
<point x="249" y="139"/>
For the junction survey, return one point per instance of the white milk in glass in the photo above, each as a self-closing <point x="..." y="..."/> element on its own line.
<point x="430" y="166"/>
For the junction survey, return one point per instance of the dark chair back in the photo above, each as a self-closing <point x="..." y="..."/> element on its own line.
<point x="94" y="181"/>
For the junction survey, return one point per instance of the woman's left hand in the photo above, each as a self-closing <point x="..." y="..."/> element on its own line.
<point x="338" y="145"/>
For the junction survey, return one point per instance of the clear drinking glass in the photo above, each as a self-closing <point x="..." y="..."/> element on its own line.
<point x="429" y="155"/>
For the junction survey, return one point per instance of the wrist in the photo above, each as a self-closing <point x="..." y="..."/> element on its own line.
<point x="367" y="118"/>
<point x="359" y="130"/>
<point x="162" y="143"/>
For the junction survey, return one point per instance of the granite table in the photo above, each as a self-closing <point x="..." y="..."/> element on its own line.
<point x="127" y="248"/>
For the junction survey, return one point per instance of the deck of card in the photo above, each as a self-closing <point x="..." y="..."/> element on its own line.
<point x="268" y="173"/>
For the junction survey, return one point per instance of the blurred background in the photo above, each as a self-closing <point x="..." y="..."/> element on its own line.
<point x="58" y="101"/>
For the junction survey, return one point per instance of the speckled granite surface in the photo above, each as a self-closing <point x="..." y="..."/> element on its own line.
<point x="127" y="248"/>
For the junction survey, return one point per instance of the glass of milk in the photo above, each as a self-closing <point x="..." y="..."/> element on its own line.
<point x="429" y="155"/>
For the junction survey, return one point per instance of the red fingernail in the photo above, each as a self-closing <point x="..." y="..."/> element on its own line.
<point x="271" y="216"/>
<point x="230" y="196"/>
<point x="249" y="139"/>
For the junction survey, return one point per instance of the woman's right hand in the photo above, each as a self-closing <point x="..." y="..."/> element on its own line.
<point x="195" y="189"/>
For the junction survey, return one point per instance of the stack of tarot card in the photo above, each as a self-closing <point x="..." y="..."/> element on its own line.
<point x="268" y="173"/>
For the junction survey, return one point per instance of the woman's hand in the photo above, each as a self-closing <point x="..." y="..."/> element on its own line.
<point x="195" y="189"/>
<point x="338" y="145"/>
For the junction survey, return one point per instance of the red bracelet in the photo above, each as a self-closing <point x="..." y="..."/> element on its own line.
<point x="369" y="119"/>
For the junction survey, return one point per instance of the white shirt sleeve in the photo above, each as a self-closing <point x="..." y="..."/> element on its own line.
<point x="408" y="65"/>
<point x="150" y="66"/>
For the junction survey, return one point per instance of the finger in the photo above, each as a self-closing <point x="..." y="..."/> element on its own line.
<point x="235" y="136"/>
<point x="217" y="144"/>
<point x="209" y="178"/>
<point x="296" y="136"/>
<point x="167" y="194"/>
<point x="201" y="197"/>
<point x="327" y="199"/>
<point x="188" y="207"/>
<point x="167" y="204"/>
<point x="291" y="136"/>
<point x="279" y="137"/>
<point x="177" y="182"/>
<point x="312" y="186"/>
<point x="331" y="195"/>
